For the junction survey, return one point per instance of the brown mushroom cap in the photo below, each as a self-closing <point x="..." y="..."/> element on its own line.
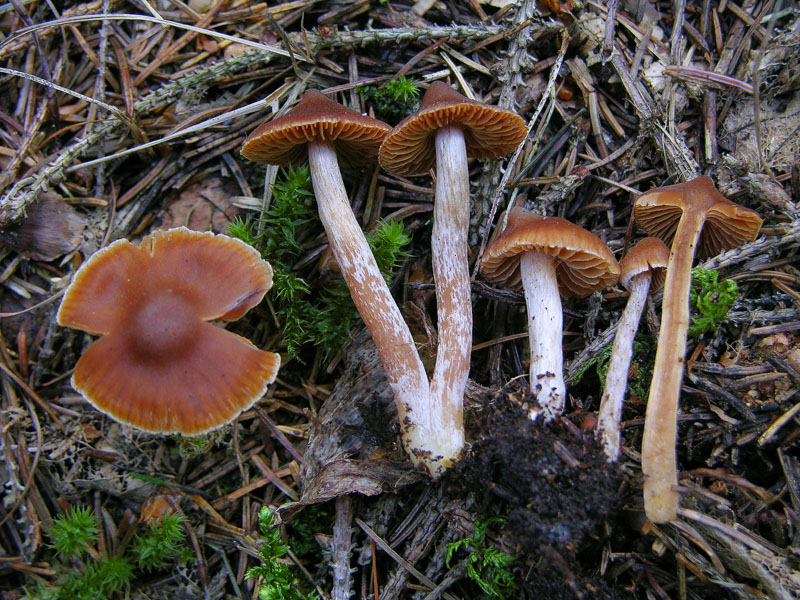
<point x="651" y="254"/>
<point x="159" y="365"/>
<point x="727" y="225"/>
<point x="489" y="131"/>
<point x="283" y="141"/>
<point x="583" y="262"/>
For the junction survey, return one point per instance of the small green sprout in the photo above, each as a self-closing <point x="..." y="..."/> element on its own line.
<point x="711" y="298"/>
<point x="100" y="579"/>
<point x="163" y="541"/>
<point x="486" y="565"/>
<point x="74" y="532"/>
<point x="387" y="241"/>
<point x="402" y="90"/>
<point x="278" y="582"/>
<point x="395" y="100"/>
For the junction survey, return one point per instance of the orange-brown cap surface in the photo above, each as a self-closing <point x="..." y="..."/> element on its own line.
<point x="727" y="225"/>
<point x="489" y="131"/>
<point x="650" y="255"/>
<point x="583" y="262"/>
<point x="284" y="141"/>
<point x="160" y="365"/>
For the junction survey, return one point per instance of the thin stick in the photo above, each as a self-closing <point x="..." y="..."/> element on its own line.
<point x="549" y="92"/>
<point x="399" y="559"/>
<point x="134" y="17"/>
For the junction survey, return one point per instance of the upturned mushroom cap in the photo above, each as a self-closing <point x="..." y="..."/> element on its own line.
<point x="283" y="141"/>
<point x="160" y="365"/>
<point x="727" y="224"/>
<point x="649" y="255"/>
<point x="583" y="262"/>
<point x="489" y="131"/>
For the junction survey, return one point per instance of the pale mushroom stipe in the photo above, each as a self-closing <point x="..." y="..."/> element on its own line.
<point x="325" y="133"/>
<point x="688" y="215"/>
<point x="641" y="270"/>
<point x="160" y="365"/>
<point x="549" y="258"/>
<point x="447" y="130"/>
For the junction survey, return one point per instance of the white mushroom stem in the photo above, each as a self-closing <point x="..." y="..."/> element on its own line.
<point x="545" y="325"/>
<point x="427" y="431"/>
<point x="659" y="458"/>
<point x="608" y="421"/>
<point x="451" y="275"/>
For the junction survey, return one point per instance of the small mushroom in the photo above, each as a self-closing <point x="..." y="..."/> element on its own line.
<point x="688" y="215"/>
<point x="641" y="270"/>
<point x="548" y="257"/>
<point x="160" y="365"/>
<point x="325" y="133"/>
<point x="447" y="130"/>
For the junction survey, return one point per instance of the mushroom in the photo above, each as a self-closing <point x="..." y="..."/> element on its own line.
<point x="642" y="269"/>
<point x="323" y="132"/>
<point x="549" y="257"/>
<point x="160" y="365"/>
<point x="677" y="214"/>
<point x="447" y="130"/>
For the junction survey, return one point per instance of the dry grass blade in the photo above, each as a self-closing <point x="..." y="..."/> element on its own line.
<point x="54" y="86"/>
<point x="7" y="46"/>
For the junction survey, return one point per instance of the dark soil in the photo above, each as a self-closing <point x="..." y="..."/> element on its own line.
<point x="554" y="484"/>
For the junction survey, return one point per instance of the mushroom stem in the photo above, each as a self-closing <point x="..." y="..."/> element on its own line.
<point x="617" y="377"/>
<point x="451" y="274"/>
<point x="545" y="325"/>
<point x="423" y="424"/>
<point x="659" y="459"/>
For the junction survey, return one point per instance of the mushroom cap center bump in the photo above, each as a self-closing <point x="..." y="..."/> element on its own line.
<point x="158" y="364"/>
<point x="162" y="326"/>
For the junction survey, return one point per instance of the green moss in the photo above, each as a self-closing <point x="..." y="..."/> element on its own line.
<point x="161" y="543"/>
<point x="393" y="101"/>
<point x="643" y="357"/>
<point x="319" y="317"/>
<point x="74" y="532"/>
<point x="277" y="581"/>
<point x="314" y="519"/>
<point x="75" y="535"/>
<point x="486" y="565"/>
<point x="710" y="299"/>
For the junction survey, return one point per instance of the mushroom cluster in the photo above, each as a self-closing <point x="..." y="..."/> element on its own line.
<point x="535" y="252"/>
<point x="446" y="131"/>
<point x="160" y="364"/>
<point x="547" y="256"/>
